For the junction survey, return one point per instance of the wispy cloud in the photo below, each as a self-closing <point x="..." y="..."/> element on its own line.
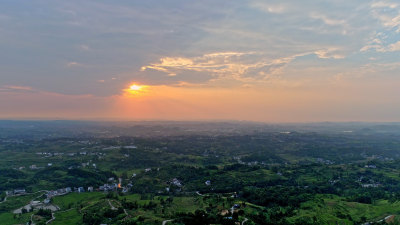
<point x="384" y="4"/>
<point x="329" y="53"/>
<point x="388" y="13"/>
<point x="327" y="20"/>
<point x="270" y="7"/>
<point x="74" y="64"/>
<point x="84" y="47"/>
<point x="380" y="44"/>
<point x="219" y="64"/>
<point x="395" y="46"/>
<point x="240" y="66"/>
<point x="16" y="88"/>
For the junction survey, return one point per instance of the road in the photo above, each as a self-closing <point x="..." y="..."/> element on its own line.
<point x="244" y="221"/>
<point x="166" y="221"/>
<point x="52" y="218"/>
<point x="32" y="219"/>
<point x="387" y="219"/>
<point x="4" y="200"/>
<point x="112" y="207"/>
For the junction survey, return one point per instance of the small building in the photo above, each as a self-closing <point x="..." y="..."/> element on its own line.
<point x="370" y="166"/>
<point x="90" y="189"/>
<point x="236" y="206"/>
<point x="19" y="191"/>
<point x="33" y="167"/>
<point x="81" y="189"/>
<point x="35" y="203"/>
<point x="176" y="182"/>
<point x="208" y="183"/>
<point x="130" y="147"/>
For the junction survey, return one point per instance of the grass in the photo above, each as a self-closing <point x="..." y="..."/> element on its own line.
<point x="134" y="197"/>
<point x="67" y="217"/>
<point x="330" y="209"/>
<point x="73" y="200"/>
<point x="184" y="204"/>
<point x="8" y="218"/>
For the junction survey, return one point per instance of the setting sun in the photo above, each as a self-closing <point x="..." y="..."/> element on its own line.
<point x="135" y="87"/>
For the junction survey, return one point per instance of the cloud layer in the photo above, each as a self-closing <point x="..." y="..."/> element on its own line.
<point x="96" y="48"/>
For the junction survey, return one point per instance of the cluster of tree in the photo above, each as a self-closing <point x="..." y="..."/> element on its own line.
<point x="96" y="216"/>
<point x="46" y="213"/>
<point x="200" y="217"/>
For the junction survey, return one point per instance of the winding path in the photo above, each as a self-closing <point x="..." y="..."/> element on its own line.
<point x="4" y="200"/>
<point x="52" y="218"/>
<point x="32" y="223"/>
<point x="166" y="221"/>
<point x="112" y="207"/>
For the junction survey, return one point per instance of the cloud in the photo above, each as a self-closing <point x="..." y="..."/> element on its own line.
<point x="269" y="8"/>
<point x="379" y="46"/>
<point x="84" y="47"/>
<point x="221" y="65"/>
<point x="329" y="53"/>
<point x="327" y="20"/>
<point x="239" y="66"/>
<point x="217" y="64"/>
<point x="384" y="4"/>
<point x="17" y="89"/>
<point x="387" y="13"/>
<point x="74" y="64"/>
<point x="394" y="47"/>
<point x="249" y="41"/>
<point x="23" y="88"/>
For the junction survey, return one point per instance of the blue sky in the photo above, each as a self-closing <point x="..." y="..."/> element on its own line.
<point x="98" y="47"/>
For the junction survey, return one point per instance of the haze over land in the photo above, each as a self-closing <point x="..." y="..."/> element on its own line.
<point x="271" y="61"/>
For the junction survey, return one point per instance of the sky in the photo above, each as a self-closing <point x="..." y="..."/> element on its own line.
<point x="255" y="60"/>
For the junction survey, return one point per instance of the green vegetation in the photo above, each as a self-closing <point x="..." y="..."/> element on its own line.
<point x="261" y="176"/>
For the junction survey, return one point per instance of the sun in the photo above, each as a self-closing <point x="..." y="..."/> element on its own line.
<point x="135" y="87"/>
